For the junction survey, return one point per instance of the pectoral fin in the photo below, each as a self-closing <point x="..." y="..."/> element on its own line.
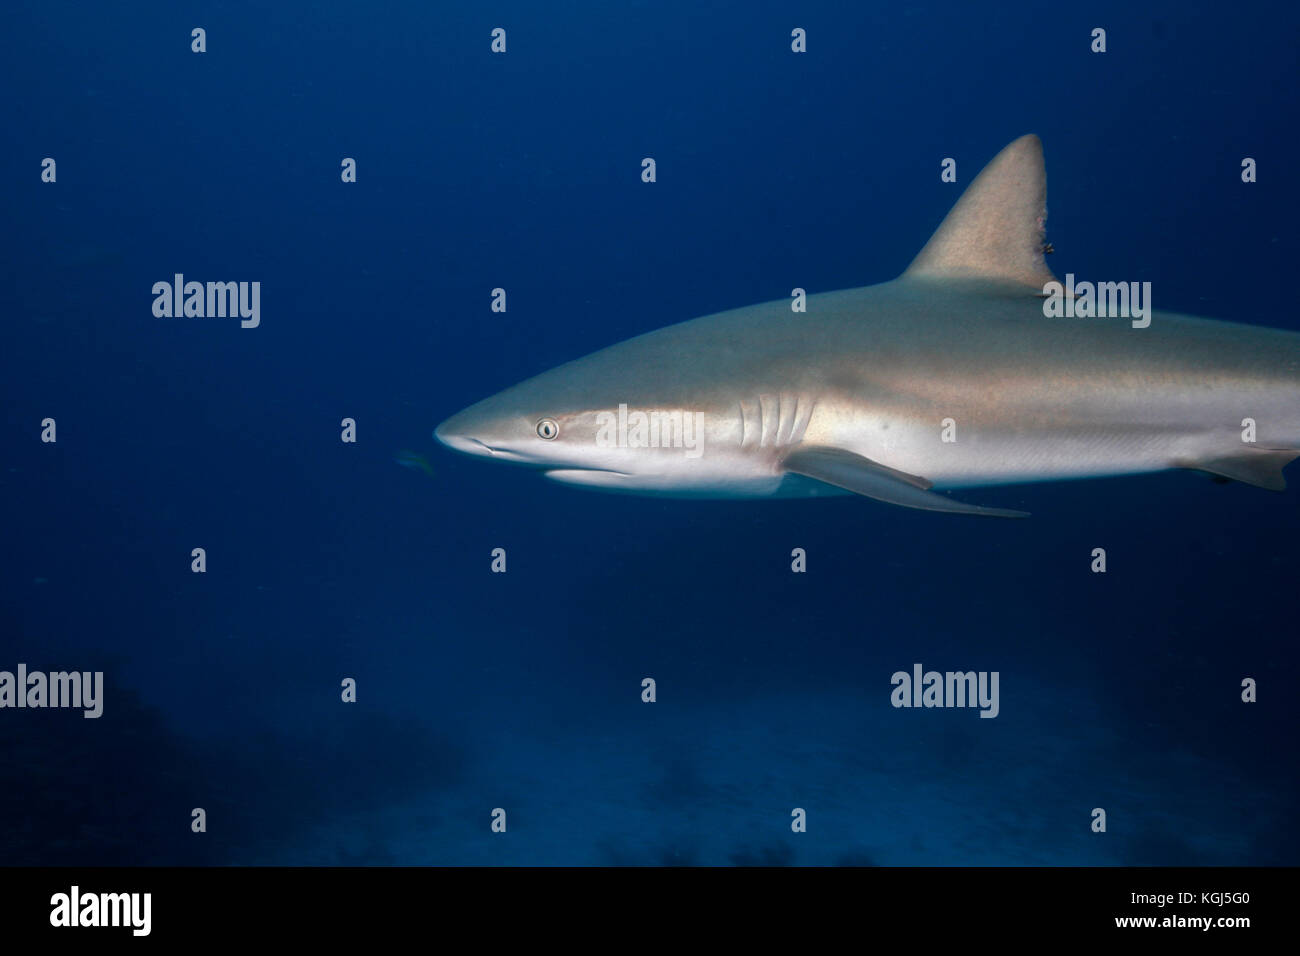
<point x="862" y="476"/>
<point x="1261" y="468"/>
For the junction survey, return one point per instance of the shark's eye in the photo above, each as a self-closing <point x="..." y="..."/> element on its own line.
<point x="547" y="430"/>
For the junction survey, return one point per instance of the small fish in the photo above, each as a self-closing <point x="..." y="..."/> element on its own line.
<point x="414" y="460"/>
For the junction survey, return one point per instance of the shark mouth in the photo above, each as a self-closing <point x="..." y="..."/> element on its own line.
<point x="502" y="453"/>
<point x="592" y="477"/>
<point x="574" y="474"/>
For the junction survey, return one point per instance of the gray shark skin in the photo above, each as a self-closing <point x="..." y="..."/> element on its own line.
<point x="866" y="391"/>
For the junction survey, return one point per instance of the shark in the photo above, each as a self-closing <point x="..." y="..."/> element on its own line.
<point x="951" y="376"/>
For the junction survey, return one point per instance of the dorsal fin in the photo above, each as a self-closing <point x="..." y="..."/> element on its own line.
<point x="997" y="229"/>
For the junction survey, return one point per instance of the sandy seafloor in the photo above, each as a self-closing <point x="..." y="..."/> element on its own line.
<point x="714" y="787"/>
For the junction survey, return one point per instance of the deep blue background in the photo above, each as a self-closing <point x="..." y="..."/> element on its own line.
<point x="478" y="690"/>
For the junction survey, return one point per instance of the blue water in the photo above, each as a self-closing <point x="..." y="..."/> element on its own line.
<point x="521" y="691"/>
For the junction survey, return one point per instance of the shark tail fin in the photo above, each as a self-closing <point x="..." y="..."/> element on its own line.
<point x="997" y="229"/>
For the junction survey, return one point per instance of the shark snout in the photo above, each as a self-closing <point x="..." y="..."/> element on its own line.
<point x="458" y="433"/>
<point x="475" y="433"/>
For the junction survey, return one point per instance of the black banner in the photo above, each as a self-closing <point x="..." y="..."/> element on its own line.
<point x="331" y="905"/>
